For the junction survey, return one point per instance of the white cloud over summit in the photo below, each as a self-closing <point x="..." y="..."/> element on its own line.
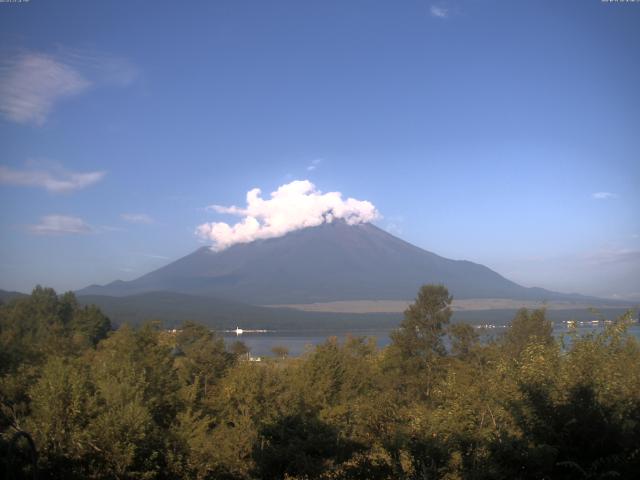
<point x="292" y="206"/>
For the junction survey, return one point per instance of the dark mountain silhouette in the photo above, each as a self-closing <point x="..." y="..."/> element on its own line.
<point x="331" y="262"/>
<point x="7" y="296"/>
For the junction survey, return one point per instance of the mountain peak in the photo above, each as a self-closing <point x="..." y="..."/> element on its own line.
<point x="330" y="262"/>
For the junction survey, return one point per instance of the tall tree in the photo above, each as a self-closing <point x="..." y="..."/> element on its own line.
<point x="421" y="332"/>
<point x="205" y="358"/>
<point x="526" y="328"/>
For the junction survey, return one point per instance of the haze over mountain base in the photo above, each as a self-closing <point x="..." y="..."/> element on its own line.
<point x="469" y="304"/>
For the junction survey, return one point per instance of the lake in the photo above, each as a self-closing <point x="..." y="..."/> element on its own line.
<point x="260" y="344"/>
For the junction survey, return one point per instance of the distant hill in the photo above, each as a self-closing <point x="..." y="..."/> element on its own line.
<point x="330" y="262"/>
<point x="175" y="308"/>
<point x="6" y="296"/>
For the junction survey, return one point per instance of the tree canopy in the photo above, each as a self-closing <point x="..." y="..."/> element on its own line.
<point x="148" y="403"/>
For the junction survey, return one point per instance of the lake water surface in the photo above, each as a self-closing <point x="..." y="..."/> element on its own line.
<point x="260" y="344"/>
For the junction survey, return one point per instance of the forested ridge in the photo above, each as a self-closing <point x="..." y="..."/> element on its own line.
<point x="80" y="400"/>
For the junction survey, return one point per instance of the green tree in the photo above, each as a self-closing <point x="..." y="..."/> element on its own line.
<point x="421" y="332"/>
<point x="137" y="392"/>
<point x="62" y="407"/>
<point x="298" y="446"/>
<point x="280" y="351"/>
<point x="205" y="358"/>
<point x="526" y="328"/>
<point x="239" y="349"/>
<point x="414" y="357"/>
<point x="90" y="323"/>
<point x="464" y="340"/>
<point x="248" y="397"/>
<point x="193" y="447"/>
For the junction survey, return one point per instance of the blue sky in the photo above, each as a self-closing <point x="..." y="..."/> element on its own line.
<point x="500" y="132"/>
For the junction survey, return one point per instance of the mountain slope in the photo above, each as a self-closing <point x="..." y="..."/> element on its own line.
<point x="331" y="262"/>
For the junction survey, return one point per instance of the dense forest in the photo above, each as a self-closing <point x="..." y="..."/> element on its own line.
<point x="80" y="400"/>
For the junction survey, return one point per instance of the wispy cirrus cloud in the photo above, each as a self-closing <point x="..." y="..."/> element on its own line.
<point x="613" y="255"/>
<point x="60" y="225"/>
<point x="439" y="11"/>
<point x="314" y="164"/>
<point x="32" y="83"/>
<point x="604" y="195"/>
<point x="139" y="218"/>
<point x="158" y="257"/>
<point x="55" y="180"/>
